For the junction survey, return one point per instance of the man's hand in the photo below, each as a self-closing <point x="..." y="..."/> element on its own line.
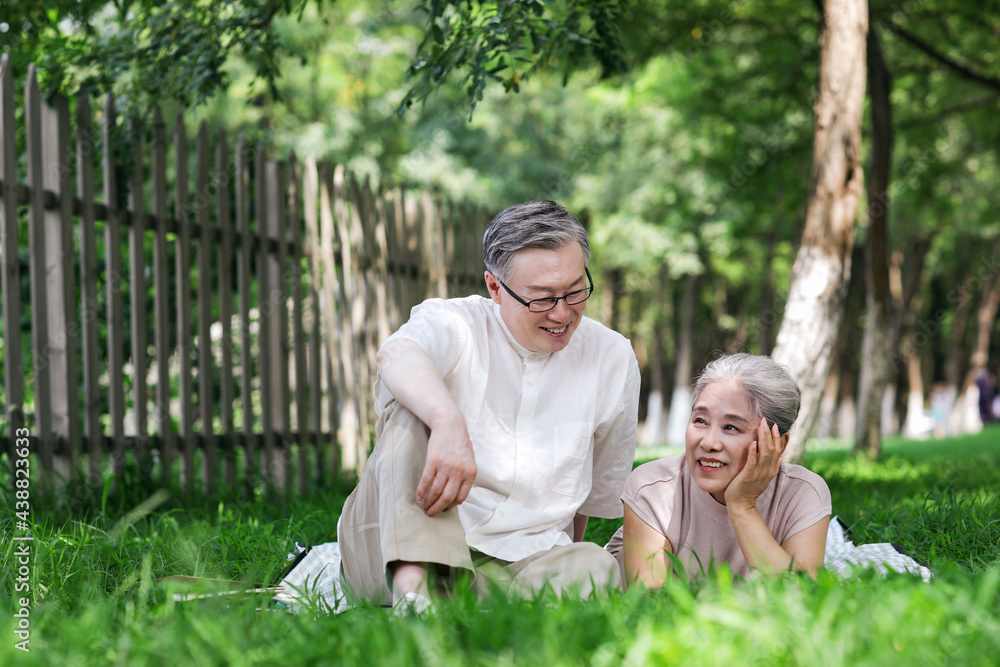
<point x="413" y="379"/>
<point x="450" y="469"/>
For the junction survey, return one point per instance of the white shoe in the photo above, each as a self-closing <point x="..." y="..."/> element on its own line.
<point x="412" y="603"/>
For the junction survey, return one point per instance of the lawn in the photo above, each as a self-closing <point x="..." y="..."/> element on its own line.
<point x="95" y="599"/>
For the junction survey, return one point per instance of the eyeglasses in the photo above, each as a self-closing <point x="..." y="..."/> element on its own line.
<point x="549" y="302"/>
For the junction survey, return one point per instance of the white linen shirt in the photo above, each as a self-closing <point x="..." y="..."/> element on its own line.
<point x="554" y="434"/>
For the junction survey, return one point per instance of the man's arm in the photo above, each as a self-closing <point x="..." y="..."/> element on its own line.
<point x="413" y="379"/>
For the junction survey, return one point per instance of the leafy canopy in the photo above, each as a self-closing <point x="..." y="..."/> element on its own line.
<point x="176" y="50"/>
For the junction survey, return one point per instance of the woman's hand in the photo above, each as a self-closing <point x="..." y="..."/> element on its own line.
<point x="763" y="461"/>
<point x="802" y="551"/>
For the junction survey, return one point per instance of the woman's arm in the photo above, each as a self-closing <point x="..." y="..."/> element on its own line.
<point x="644" y="552"/>
<point x="802" y="551"/>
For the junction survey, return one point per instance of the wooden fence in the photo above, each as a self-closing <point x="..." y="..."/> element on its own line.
<point x="241" y="299"/>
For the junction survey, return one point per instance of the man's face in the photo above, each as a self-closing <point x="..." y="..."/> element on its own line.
<point x="538" y="273"/>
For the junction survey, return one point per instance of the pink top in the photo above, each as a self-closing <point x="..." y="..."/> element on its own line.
<point x="664" y="495"/>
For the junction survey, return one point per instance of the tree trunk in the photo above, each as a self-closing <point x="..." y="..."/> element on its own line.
<point x="953" y="360"/>
<point x="905" y="276"/>
<point x="916" y="420"/>
<point x="876" y="351"/>
<point x="680" y="401"/>
<point x="910" y="268"/>
<point x="768" y="316"/>
<point x="847" y="413"/>
<point x="654" y="428"/>
<point x="828" y="404"/>
<point x="987" y="314"/>
<point x="821" y="271"/>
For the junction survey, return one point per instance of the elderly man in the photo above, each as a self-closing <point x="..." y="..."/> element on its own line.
<point x="503" y="424"/>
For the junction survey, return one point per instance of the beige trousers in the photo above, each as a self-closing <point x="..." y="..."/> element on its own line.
<point x="382" y="523"/>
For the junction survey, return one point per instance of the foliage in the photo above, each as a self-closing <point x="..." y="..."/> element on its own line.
<point x="95" y="599"/>
<point x="508" y="41"/>
<point x="146" y="49"/>
<point x="693" y="160"/>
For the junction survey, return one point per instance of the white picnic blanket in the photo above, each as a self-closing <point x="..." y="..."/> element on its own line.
<point x="315" y="582"/>
<point x="842" y="557"/>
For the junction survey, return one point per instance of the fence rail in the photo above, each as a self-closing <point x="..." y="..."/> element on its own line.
<point x="216" y="315"/>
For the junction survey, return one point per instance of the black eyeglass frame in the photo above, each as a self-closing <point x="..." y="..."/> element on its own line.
<point x="555" y="299"/>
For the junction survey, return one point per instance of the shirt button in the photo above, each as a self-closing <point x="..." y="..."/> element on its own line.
<point x="502" y="515"/>
<point x="532" y="355"/>
<point x="531" y="384"/>
<point x="468" y="540"/>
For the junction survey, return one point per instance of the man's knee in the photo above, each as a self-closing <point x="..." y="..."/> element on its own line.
<point x="601" y="567"/>
<point x="582" y="568"/>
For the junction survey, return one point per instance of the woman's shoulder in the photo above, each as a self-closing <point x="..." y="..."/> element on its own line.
<point x="659" y="471"/>
<point x="801" y="473"/>
<point x="799" y="479"/>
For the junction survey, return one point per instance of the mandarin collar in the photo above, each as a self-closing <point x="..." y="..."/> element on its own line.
<point x="520" y="349"/>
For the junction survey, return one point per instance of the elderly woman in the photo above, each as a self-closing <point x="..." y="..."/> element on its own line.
<point x="729" y="498"/>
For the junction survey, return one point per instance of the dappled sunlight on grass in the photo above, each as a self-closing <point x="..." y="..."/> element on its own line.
<point x="96" y="599"/>
<point x="936" y="499"/>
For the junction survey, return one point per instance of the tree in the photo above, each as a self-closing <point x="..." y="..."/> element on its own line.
<point x="878" y="342"/>
<point x="822" y="268"/>
<point x="145" y="50"/>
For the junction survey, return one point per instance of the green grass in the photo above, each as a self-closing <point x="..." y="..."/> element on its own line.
<point x="95" y="599"/>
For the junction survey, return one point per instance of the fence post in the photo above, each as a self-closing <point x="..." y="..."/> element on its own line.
<point x="265" y="311"/>
<point x="88" y="291"/>
<point x="39" y="288"/>
<point x="182" y="257"/>
<point x="206" y="397"/>
<point x="161" y="303"/>
<point x="298" y="333"/>
<point x="413" y="233"/>
<point x="11" y="272"/>
<point x="340" y="302"/>
<point x="317" y="267"/>
<point x="225" y="261"/>
<point x="64" y="331"/>
<point x="113" y="263"/>
<point x="138" y="301"/>
<point x="244" y="281"/>
<point x="274" y="307"/>
<point x="362" y="310"/>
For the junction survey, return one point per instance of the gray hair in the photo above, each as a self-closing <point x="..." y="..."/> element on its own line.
<point x="533" y="224"/>
<point x="767" y="385"/>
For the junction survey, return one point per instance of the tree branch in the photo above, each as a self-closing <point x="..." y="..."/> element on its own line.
<point x="965" y="72"/>
<point x="919" y="121"/>
<point x="265" y="21"/>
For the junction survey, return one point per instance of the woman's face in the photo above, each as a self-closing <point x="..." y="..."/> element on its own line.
<point x="718" y="437"/>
